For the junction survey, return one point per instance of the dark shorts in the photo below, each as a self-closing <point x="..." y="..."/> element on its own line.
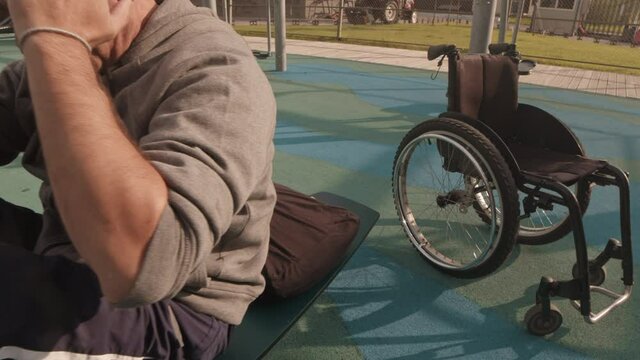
<point x="51" y="305"/>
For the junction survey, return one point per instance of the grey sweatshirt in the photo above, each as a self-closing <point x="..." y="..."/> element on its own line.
<point x="193" y="99"/>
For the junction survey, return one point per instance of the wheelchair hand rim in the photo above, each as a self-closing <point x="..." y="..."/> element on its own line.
<point x="408" y="220"/>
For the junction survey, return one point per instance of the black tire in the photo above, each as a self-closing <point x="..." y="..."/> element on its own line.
<point x="377" y="15"/>
<point x="488" y="164"/>
<point x="563" y="227"/>
<point x="356" y="18"/>
<point x="597" y="274"/>
<point x="353" y="19"/>
<point x="391" y="12"/>
<point x="541" y="325"/>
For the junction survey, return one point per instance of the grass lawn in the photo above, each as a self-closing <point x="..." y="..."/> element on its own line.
<point x="554" y="50"/>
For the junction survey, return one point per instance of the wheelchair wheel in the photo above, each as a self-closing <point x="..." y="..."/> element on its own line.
<point x="543" y="226"/>
<point x="439" y="168"/>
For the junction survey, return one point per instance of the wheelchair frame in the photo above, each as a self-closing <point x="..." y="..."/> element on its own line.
<point x="588" y="275"/>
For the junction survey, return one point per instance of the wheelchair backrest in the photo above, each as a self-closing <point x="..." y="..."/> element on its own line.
<point x="485" y="87"/>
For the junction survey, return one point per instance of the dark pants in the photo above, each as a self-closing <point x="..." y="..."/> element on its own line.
<point x="51" y="304"/>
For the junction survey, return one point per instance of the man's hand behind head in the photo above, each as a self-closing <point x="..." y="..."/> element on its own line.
<point x="95" y="21"/>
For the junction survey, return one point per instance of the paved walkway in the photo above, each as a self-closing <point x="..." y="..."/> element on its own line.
<point x="599" y="82"/>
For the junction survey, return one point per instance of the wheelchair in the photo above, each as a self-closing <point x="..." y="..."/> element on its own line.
<point x="491" y="172"/>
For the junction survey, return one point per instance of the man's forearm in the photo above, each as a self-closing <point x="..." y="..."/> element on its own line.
<point x="110" y="198"/>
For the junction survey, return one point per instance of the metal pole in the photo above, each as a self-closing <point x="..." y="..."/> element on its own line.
<point x="504" y="20"/>
<point x="435" y="7"/>
<point x="517" y="28"/>
<point x="484" y="12"/>
<point x="532" y="26"/>
<point x="214" y="7"/>
<point x="578" y="8"/>
<point x="340" y="19"/>
<point x="268" y="27"/>
<point x="281" y="35"/>
<point x="225" y="11"/>
<point x="230" y="11"/>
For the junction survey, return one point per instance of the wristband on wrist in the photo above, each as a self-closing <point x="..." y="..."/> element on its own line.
<point x="27" y="33"/>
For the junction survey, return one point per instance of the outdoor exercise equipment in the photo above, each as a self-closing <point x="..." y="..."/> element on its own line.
<point x="491" y="171"/>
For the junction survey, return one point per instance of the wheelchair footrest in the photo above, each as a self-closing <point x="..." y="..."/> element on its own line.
<point x="619" y="299"/>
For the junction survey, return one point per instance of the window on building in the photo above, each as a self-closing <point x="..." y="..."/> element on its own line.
<point x="548" y="3"/>
<point x="557" y="4"/>
<point x="566" y="4"/>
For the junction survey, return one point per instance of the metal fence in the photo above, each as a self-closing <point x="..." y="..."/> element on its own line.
<point x="373" y="11"/>
<point x="594" y="34"/>
<point x="613" y="20"/>
<point x="616" y="20"/>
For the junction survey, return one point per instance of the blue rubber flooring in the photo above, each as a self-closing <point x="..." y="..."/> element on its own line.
<point x="339" y="125"/>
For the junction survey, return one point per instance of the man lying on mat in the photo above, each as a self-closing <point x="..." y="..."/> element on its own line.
<point x="151" y="126"/>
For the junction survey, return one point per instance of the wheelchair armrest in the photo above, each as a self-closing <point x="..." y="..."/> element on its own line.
<point x="490" y="134"/>
<point x="538" y="128"/>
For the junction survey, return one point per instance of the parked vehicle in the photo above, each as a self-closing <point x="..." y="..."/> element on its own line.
<point x="385" y="11"/>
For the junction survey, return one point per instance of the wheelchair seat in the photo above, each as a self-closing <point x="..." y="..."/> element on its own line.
<point x="491" y="172"/>
<point x="561" y="167"/>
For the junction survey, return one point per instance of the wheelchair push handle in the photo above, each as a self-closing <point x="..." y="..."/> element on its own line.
<point x="524" y="66"/>
<point x="436" y="51"/>
<point x="501" y="48"/>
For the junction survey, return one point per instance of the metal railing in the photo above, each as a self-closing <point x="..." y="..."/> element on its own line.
<point x="560" y="32"/>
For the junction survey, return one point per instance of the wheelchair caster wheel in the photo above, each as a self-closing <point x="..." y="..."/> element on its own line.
<point x="597" y="275"/>
<point x="540" y="325"/>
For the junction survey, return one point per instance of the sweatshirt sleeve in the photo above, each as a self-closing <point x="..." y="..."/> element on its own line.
<point x="211" y="140"/>
<point x="13" y="138"/>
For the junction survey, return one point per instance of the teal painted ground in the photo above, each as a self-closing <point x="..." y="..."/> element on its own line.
<point x="339" y="123"/>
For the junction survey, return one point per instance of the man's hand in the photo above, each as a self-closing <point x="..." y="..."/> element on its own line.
<point x="96" y="21"/>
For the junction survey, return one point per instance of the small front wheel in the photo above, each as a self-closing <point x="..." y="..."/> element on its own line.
<point x="540" y="324"/>
<point x="597" y="274"/>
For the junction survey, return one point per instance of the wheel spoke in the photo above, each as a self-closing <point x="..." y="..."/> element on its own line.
<point x="545" y="225"/>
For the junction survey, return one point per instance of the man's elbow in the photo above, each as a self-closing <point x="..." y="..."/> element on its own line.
<point x="130" y="286"/>
<point x="119" y="267"/>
